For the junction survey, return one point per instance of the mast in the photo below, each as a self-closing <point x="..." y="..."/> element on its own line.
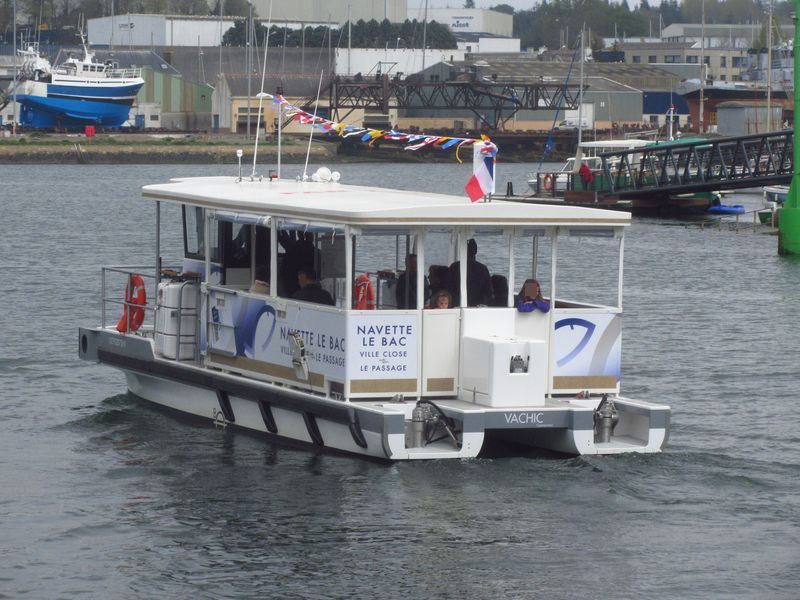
<point x="580" y="90"/>
<point x="349" y="40"/>
<point x="249" y="59"/>
<point x="14" y="124"/>
<point x="220" y="40"/>
<point x="769" y="69"/>
<point x="424" y="33"/>
<point x="702" y="66"/>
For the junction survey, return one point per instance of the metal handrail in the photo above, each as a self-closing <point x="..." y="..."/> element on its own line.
<point x="146" y="272"/>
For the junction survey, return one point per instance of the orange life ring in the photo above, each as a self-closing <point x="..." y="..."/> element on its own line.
<point x="135" y="299"/>
<point x="364" y="293"/>
<point x="548" y="182"/>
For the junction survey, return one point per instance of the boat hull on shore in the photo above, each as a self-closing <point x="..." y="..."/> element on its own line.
<point x="48" y="106"/>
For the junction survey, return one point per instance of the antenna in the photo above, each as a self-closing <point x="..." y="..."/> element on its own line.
<point x="261" y="94"/>
<point x="311" y="133"/>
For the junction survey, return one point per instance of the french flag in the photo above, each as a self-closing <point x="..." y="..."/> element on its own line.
<point x="481" y="183"/>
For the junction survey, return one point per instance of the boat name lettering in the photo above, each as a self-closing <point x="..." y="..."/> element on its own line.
<point x="527" y="418"/>
<point x="116" y="342"/>
<point x="384" y="336"/>
<point x="316" y="339"/>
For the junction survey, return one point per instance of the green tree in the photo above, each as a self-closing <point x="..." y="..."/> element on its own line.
<point x="504" y="8"/>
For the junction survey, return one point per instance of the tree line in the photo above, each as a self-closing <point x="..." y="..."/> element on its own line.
<point x="362" y="34"/>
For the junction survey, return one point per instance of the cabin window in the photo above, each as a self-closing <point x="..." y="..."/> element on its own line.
<point x="384" y="257"/>
<point x="440" y="253"/>
<point x="313" y="250"/>
<point x="194" y="235"/>
<point x="492" y="252"/>
<point x="532" y="252"/>
<point x="588" y="267"/>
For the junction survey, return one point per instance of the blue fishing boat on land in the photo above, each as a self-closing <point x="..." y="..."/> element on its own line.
<point x="76" y="93"/>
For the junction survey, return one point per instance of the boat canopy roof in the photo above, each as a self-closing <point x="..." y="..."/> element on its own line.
<point x="369" y="206"/>
<point x="614" y="144"/>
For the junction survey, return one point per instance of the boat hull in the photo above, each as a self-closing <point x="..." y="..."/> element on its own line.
<point x="48" y="106"/>
<point x="377" y="429"/>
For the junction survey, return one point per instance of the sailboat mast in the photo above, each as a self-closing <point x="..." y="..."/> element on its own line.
<point x="702" y="65"/>
<point x="769" y="69"/>
<point x="580" y="90"/>
<point x="424" y="33"/>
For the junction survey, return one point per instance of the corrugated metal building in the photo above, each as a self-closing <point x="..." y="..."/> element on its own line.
<point x="743" y="118"/>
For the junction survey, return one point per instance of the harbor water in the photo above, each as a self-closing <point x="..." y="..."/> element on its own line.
<point x="105" y="496"/>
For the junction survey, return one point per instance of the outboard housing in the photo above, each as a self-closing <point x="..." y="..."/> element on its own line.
<point x="606" y="418"/>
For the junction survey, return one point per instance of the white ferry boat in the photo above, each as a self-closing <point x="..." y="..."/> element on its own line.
<point x="225" y="336"/>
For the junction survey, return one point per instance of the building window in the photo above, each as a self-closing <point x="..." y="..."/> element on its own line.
<point x="653" y="119"/>
<point x="637" y="59"/>
<point x="672" y="58"/>
<point x="692" y="60"/>
<point x="723" y="61"/>
<point x="652" y="59"/>
<point x="707" y="61"/>
<point x="737" y="62"/>
<point x="723" y="77"/>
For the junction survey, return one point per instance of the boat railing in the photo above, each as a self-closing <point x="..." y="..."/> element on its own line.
<point x="554" y="183"/>
<point x="122" y="276"/>
<point x="124" y="73"/>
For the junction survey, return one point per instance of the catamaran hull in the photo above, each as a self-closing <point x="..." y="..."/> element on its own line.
<point x="378" y="430"/>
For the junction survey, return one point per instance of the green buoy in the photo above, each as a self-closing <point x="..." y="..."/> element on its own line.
<point x="789" y="220"/>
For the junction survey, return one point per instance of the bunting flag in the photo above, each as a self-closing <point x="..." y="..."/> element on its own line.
<point x="412" y="141"/>
<point x="481" y="184"/>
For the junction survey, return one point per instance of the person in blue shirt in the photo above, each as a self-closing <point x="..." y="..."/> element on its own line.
<point x="530" y="298"/>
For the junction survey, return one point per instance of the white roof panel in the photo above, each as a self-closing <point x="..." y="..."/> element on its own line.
<point x="355" y="205"/>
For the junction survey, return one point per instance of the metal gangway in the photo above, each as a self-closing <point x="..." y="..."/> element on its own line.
<point x="673" y="167"/>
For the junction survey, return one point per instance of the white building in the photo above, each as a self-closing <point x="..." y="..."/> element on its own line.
<point x="371" y="61"/>
<point x="158" y="30"/>
<point x="469" y="20"/>
<point x="479" y="44"/>
<point x="719" y="36"/>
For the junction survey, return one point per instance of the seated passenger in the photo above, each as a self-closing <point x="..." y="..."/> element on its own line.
<point x="530" y="297"/>
<point x="441" y="299"/>
<point x="310" y="290"/>
<point x="499" y="291"/>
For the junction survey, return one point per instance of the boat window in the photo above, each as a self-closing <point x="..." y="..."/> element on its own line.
<point x="194" y="235"/>
<point x="532" y="251"/>
<point x="316" y="250"/>
<point x="588" y="270"/>
<point x="237" y="245"/>
<point x="440" y="253"/>
<point x="262" y="255"/>
<point x="492" y="252"/>
<point x="380" y="266"/>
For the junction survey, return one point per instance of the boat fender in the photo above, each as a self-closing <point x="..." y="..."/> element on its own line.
<point x="364" y="296"/>
<point x="548" y="182"/>
<point x="135" y="300"/>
